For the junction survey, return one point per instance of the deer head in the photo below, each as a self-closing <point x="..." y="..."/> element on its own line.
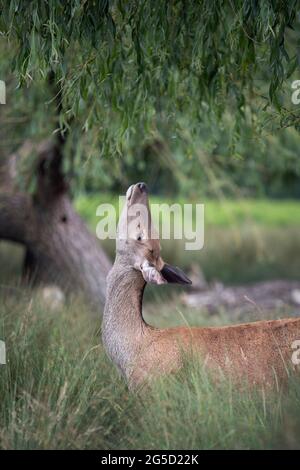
<point x="138" y="243"/>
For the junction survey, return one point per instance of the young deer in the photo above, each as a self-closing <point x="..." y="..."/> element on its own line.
<point x="260" y="352"/>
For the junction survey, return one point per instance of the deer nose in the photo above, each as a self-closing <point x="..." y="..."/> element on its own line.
<point x="143" y="187"/>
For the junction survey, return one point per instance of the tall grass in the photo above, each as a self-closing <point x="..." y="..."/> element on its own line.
<point x="58" y="390"/>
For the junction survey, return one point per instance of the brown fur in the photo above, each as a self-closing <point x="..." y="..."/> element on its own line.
<point x="259" y="353"/>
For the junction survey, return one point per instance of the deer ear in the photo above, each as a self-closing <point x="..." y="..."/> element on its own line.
<point x="174" y="275"/>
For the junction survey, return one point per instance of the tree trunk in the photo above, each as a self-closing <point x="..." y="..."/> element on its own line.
<point x="59" y="248"/>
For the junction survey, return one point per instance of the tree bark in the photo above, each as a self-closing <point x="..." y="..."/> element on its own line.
<point x="59" y="247"/>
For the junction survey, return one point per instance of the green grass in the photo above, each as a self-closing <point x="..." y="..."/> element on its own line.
<point x="58" y="390"/>
<point x="223" y="213"/>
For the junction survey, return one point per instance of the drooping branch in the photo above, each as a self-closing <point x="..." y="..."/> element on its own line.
<point x="167" y="49"/>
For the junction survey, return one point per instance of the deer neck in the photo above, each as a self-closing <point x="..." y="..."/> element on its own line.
<point x="123" y="325"/>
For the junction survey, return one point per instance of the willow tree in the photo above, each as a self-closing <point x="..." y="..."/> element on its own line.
<point x="118" y="72"/>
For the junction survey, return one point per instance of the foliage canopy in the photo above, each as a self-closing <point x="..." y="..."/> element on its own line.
<point x="130" y="72"/>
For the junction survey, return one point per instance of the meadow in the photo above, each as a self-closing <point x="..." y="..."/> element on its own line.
<point x="59" y="390"/>
<point x="244" y="240"/>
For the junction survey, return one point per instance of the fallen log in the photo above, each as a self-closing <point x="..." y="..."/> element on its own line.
<point x="260" y="296"/>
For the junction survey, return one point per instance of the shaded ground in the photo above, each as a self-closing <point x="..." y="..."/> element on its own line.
<point x="261" y="296"/>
